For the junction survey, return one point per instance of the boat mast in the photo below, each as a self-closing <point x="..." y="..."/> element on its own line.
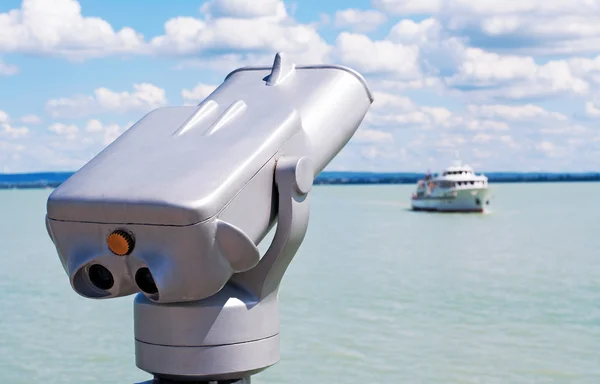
<point x="457" y="160"/>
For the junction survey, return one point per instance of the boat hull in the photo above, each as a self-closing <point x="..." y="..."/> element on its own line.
<point x="466" y="200"/>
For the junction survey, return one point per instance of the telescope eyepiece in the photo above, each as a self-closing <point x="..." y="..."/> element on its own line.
<point x="145" y="281"/>
<point x="101" y="277"/>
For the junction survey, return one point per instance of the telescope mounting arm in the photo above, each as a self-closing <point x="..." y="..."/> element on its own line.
<point x="294" y="177"/>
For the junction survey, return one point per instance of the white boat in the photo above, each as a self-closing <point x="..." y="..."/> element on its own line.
<point x="456" y="189"/>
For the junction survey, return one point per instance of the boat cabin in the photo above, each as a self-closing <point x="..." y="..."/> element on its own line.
<point x="455" y="176"/>
<point x="464" y="170"/>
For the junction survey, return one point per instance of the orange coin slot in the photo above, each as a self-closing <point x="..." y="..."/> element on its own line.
<point x="120" y="243"/>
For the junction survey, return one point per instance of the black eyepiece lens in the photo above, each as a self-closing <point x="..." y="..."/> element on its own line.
<point x="101" y="277"/>
<point x="145" y="281"/>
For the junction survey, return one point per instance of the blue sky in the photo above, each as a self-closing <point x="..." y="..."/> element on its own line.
<point x="513" y="85"/>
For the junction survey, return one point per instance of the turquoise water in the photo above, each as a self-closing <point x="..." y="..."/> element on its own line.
<point x="377" y="293"/>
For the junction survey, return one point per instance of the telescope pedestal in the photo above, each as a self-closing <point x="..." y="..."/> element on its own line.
<point x="161" y="381"/>
<point x="224" y="337"/>
<point x="234" y="333"/>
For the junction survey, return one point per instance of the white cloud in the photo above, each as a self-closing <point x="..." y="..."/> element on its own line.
<point x="586" y="68"/>
<point x="70" y="131"/>
<point x="592" y="109"/>
<point x="492" y="7"/>
<point x="359" y="20"/>
<point x="372" y="136"/>
<point x="186" y="36"/>
<point x="94" y="133"/>
<point x="566" y="129"/>
<point x="393" y="111"/>
<point x="391" y="85"/>
<point x="62" y="147"/>
<point x="419" y="119"/>
<point x="439" y="51"/>
<point x="144" y="97"/>
<point x="515" y="77"/>
<point x="466" y="61"/>
<point x="450" y="141"/>
<point x="57" y="27"/>
<point x="487" y="125"/>
<point x="410" y="32"/>
<point x="487" y="138"/>
<point x="8" y="130"/>
<point x="544" y="34"/>
<point x="386" y="100"/>
<point x="225" y="63"/>
<point x="94" y="126"/>
<point x="514" y="112"/>
<point x="31" y="119"/>
<point x="413" y="52"/>
<point x="550" y="149"/>
<point x="107" y="132"/>
<point x="494" y="136"/>
<point x="489" y="75"/>
<point x="38" y="155"/>
<point x="408" y="7"/>
<point x="373" y="152"/>
<point x="525" y="26"/>
<point x="481" y="68"/>
<point x="438" y="115"/>
<point x="44" y="151"/>
<point x="198" y="93"/>
<point x="227" y="27"/>
<point x="244" y="8"/>
<point x="467" y="123"/>
<point x="8" y="69"/>
<point x="13" y="132"/>
<point x="239" y="32"/>
<point x="9" y="153"/>
<point x="378" y="57"/>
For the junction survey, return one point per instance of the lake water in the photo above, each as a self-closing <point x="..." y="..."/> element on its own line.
<point x="377" y="293"/>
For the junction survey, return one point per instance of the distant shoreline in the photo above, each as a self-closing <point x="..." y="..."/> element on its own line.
<point x="54" y="179"/>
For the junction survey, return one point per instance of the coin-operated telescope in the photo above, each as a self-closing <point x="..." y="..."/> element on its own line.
<point x="175" y="207"/>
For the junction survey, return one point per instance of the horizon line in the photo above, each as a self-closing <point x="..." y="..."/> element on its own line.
<point x="345" y="171"/>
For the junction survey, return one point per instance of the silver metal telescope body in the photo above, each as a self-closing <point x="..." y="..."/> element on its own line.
<point x="175" y="207"/>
